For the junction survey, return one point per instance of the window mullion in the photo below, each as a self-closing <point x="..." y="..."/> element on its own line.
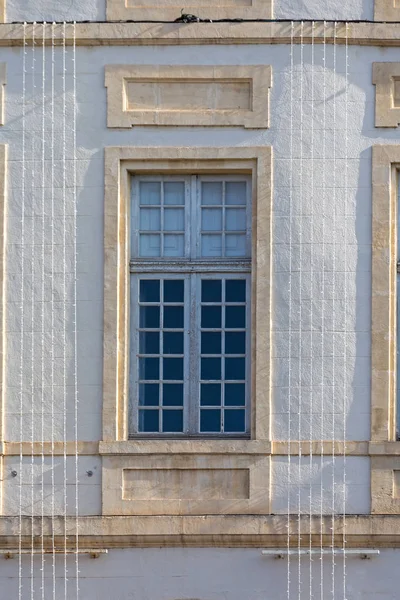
<point x="192" y="399"/>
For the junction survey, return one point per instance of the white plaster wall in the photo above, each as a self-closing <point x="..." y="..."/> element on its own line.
<point x="48" y="10"/>
<point x="329" y="10"/>
<point x="206" y="574"/>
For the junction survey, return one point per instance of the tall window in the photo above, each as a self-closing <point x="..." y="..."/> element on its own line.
<point x="190" y="305"/>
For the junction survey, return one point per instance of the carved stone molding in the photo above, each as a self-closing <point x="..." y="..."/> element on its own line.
<point x="386" y="77"/>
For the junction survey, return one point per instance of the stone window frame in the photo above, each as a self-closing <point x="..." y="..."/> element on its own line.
<point x="386" y="10"/>
<point x="258" y="77"/>
<point x="384" y="75"/>
<point x="117" y="10"/>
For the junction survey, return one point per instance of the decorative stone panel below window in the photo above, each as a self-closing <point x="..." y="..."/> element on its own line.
<point x="387" y="10"/>
<point x="386" y="77"/>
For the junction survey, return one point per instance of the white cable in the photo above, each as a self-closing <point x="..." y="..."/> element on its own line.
<point x="64" y="369"/>
<point x="290" y="307"/>
<point x="52" y="318"/>
<point x="22" y="344"/>
<point x="33" y="306"/>
<point x="43" y="290"/>
<point x="74" y="107"/>
<point x="300" y="416"/>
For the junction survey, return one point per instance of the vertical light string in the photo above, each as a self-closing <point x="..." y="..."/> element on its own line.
<point x="290" y="309"/>
<point x="22" y="340"/>
<point x="43" y="296"/>
<point x="33" y="233"/>
<point x="76" y="399"/>
<point x="311" y="304"/>
<point x="53" y="546"/>
<point x="300" y="313"/>
<point x="64" y="303"/>
<point x="334" y="292"/>
<point x="323" y="311"/>
<point x="346" y="147"/>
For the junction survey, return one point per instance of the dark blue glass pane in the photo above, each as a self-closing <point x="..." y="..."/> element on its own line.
<point x="210" y="421"/>
<point x="149" y="290"/>
<point x="149" y="342"/>
<point x="173" y="290"/>
<point x="235" y="394"/>
<point x="210" y="343"/>
<point x="210" y="368"/>
<point x="173" y="394"/>
<point x="173" y="343"/>
<point x="235" y="290"/>
<point x="211" y="290"/>
<point x="235" y="368"/>
<point x="173" y="317"/>
<point x="210" y="394"/>
<point x="173" y="368"/>
<point x="234" y="421"/>
<point x="149" y="317"/>
<point x="149" y="368"/>
<point x="172" y="421"/>
<point x="149" y="394"/>
<point x="148" y="421"/>
<point x="211" y="317"/>
<point x="235" y="317"/>
<point x="235" y="342"/>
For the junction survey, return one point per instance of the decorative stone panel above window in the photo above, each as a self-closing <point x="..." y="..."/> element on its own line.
<point x="387" y="10"/>
<point x="386" y="77"/>
<point x="207" y="96"/>
<point x="169" y="10"/>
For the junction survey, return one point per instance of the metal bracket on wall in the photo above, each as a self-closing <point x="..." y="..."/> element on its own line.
<point x="364" y="553"/>
<point x="91" y="552"/>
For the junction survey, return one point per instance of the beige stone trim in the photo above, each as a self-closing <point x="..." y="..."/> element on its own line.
<point x="173" y="484"/>
<point x="384" y="256"/>
<point x="386" y="77"/>
<point x="2" y="11"/>
<point x="385" y="485"/>
<point x="167" y="10"/>
<point x="279" y="32"/>
<point x="245" y="531"/>
<point x="387" y="10"/>
<point x="188" y="95"/>
<point x="3" y="73"/>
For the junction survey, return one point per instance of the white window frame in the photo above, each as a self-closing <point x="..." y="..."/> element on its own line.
<point x="192" y="268"/>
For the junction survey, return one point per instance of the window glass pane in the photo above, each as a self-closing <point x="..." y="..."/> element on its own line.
<point x="173" y="317"/>
<point x="210" y="343"/>
<point x="235" y="219"/>
<point x="211" y="317"/>
<point x="149" y="290"/>
<point x="149" y="245"/>
<point x="235" y="192"/>
<point x="174" y="290"/>
<point x="211" y="219"/>
<point x="173" y="343"/>
<point x="210" y="420"/>
<point x="211" y="192"/>
<point x="235" y="394"/>
<point x="234" y="421"/>
<point x="148" y="421"/>
<point x="150" y="192"/>
<point x="173" y="244"/>
<point x="235" y="368"/>
<point x="173" y="394"/>
<point x="235" y="343"/>
<point x="210" y="394"/>
<point x="210" y="368"/>
<point x="149" y="368"/>
<point x="172" y="369"/>
<point x="149" y="394"/>
<point x="149" y="342"/>
<point x="235" y="290"/>
<point x="174" y="219"/>
<point x="235" y="245"/>
<point x="149" y="317"/>
<point x="172" y="421"/>
<point x="211" y="290"/>
<point x="150" y="219"/>
<point x="235" y="317"/>
<point x="211" y="245"/>
<point x="174" y="192"/>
